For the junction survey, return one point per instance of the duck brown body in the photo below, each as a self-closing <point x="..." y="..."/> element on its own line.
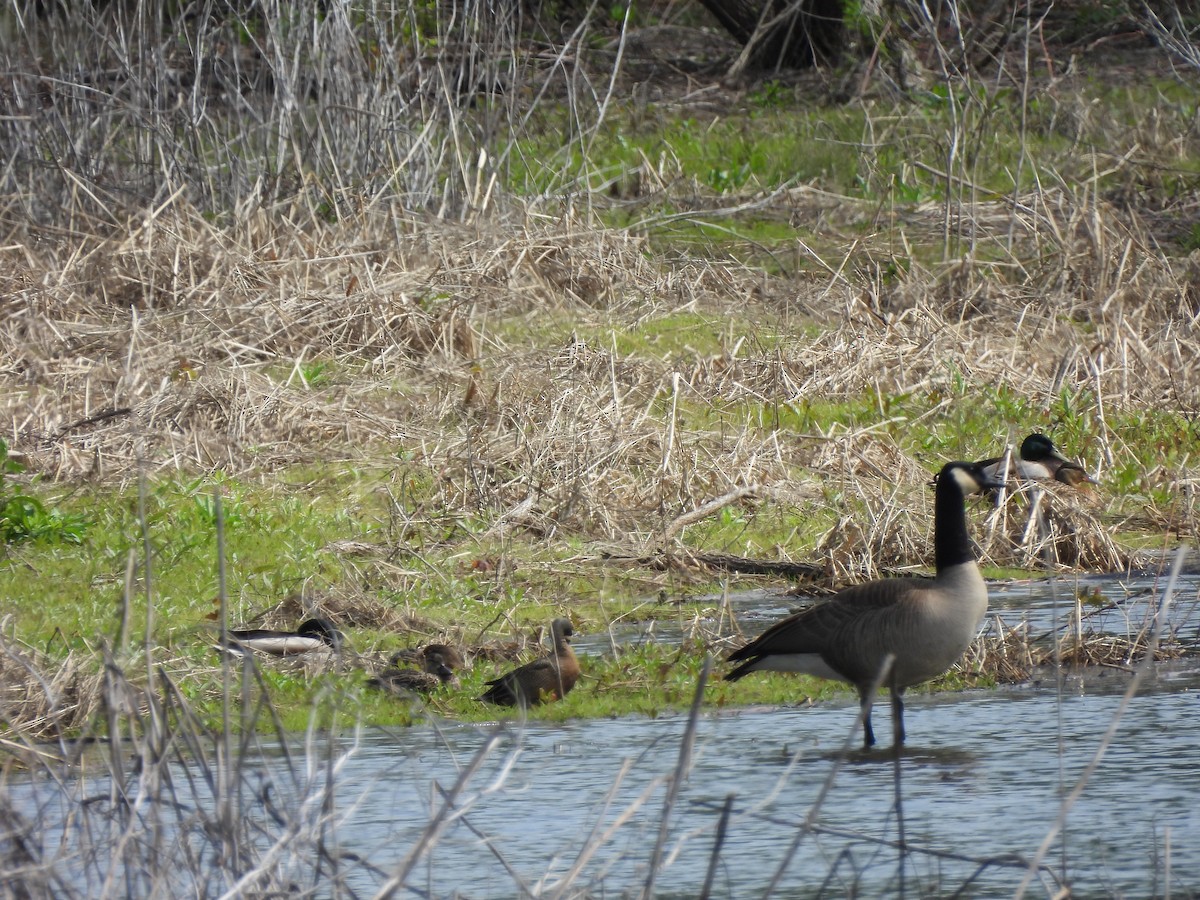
<point x="543" y="680"/>
<point x="429" y="657"/>
<point x="437" y="664"/>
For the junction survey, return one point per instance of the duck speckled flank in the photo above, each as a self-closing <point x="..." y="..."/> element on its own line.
<point x="437" y="662"/>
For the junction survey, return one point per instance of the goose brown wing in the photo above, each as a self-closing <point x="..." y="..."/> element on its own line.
<point x="527" y="684"/>
<point x="886" y="622"/>
<point x="539" y="668"/>
<point x="813" y="629"/>
<point x="557" y="674"/>
<point x="852" y="631"/>
<point x="536" y="669"/>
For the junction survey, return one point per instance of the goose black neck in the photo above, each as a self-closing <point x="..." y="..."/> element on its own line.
<point x="951" y="542"/>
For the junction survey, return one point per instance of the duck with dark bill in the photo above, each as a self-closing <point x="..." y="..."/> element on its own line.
<point x="545" y="679"/>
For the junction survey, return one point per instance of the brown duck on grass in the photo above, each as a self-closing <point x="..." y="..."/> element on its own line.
<point x="540" y="681"/>
<point x="922" y="625"/>
<point x="1038" y="461"/>
<point x="437" y="665"/>
<point x="450" y="656"/>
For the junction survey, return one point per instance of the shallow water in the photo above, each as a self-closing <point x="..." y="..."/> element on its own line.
<point x="1117" y="606"/>
<point x="983" y="777"/>
<point x="979" y="785"/>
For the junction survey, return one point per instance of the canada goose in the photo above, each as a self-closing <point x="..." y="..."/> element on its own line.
<point x="923" y="625"/>
<point x="313" y="634"/>
<point x="1038" y="461"/>
<point x="548" y="678"/>
<point x="435" y="671"/>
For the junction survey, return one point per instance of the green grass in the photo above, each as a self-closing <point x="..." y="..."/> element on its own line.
<point x="649" y="680"/>
<point x="25" y="517"/>
<point x="278" y="537"/>
<point x="67" y="550"/>
<point x="274" y="540"/>
<point x="763" y="530"/>
<point x="684" y="336"/>
<point x="886" y="158"/>
<point x="278" y="534"/>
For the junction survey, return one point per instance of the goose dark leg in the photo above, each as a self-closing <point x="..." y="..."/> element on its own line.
<point x="864" y="699"/>
<point x="897" y="716"/>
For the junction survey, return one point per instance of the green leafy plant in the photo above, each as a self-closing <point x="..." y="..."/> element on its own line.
<point x="316" y="374"/>
<point x="24" y="517"/>
<point x="770" y="95"/>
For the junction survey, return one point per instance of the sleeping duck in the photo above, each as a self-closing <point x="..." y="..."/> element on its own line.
<point x="436" y="663"/>
<point x="313" y="634"/>
<point x="1038" y="461"/>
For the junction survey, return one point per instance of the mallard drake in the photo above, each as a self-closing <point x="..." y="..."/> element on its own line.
<point x="925" y="625"/>
<point x="313" y="634"/>
<point x="1038" y="460"/>
<point x="435" y="670"/>
<point x="540" y="681"/>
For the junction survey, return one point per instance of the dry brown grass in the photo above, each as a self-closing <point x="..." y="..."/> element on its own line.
<point x="1013" y="655"/>
<point x="43" y="697"/>
<point x="170" y="305"/>
<point x="480" y="333"/>
<point x="185" y="348"/>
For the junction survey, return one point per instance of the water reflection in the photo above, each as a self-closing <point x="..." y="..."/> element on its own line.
<point x="985" y="783"/>
<point x="1108" y="605"/>
<point x="578" y="806"/>
<point x="768" y="798"/>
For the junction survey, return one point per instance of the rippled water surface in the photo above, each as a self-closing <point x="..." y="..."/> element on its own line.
<point x="983" y="777"/>
<point x="580" y="805"/>
<point x="1108" y="605"/>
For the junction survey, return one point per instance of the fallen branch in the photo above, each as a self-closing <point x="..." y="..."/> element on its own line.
<point x="726" y="562"/>
<point x="707" y="509"/>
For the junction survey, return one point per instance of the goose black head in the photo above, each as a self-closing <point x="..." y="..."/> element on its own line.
<point x="971" y="477"/>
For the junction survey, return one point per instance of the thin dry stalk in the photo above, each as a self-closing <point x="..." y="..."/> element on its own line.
<point x="135" y="837"/>
<point x="814" y="808"/>
<point x="47" y="698"/>
<point x="682" y="767"/>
